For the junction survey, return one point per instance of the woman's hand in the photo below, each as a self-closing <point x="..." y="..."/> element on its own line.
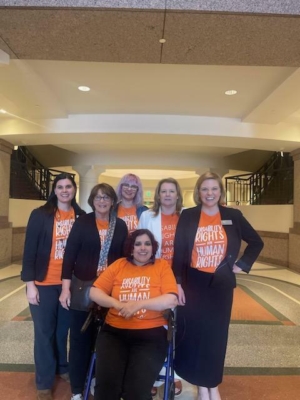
<point x="65" y="298"/>
<point x="181" y="296"/>
<point x="32" y="293"/>
<point x="129" y="309"/>
<point x="236" y="269"/>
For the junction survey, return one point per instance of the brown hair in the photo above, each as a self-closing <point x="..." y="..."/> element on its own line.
<point x="106" y="189"/>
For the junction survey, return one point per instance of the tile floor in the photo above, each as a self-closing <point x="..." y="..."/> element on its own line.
<point x="263" y="356"/>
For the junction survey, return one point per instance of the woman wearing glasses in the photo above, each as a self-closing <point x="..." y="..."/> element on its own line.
<point x="130" y="200"/>
<point x="96" y="240"/>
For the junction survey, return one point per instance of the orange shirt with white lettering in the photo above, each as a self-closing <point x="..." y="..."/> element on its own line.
<point x="129" y="216"/>
<point x="168" y="228"/>
<point x="210" y="243"/>
<point x="128" y="282"/>
<point x="63" y="222"/>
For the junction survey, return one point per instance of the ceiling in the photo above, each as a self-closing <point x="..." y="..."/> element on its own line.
<point x="151" y="105"/>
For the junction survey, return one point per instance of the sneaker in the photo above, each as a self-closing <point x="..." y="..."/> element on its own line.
<point x="77" y="397"/>
<point x="44" y="394"/>
<point x="178" y="387"/>
<point x="65" y="377"/>
<point x="92" y="387"/>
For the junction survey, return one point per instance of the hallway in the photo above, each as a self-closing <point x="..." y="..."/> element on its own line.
<point x="263" y="356"/>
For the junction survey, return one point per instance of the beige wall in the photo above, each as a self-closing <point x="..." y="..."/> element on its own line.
<point x="272" y="218"/>
<point x="272" y="222"/>
<point x="19" y="211"/>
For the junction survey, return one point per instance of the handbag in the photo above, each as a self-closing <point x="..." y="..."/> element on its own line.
<point x="80" y="294"/>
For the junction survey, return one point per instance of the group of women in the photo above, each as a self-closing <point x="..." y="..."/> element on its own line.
<point x="141" y="262"/>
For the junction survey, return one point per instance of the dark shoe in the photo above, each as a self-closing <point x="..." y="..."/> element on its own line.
<point x="44" y="394"/>
<point x="178" y="387"/>
<point x="65" y="377"/>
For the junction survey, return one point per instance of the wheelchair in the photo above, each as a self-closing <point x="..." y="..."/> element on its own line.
<point x="167" y="378"/>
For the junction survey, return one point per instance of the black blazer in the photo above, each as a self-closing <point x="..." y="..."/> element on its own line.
<point x="237" y="228"/>
<point x="38" y="243"/>
<point x="83" y="248"/>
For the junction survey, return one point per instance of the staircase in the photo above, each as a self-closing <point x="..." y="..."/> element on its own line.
<point x="29" y="179"/>
<point x="273" y="183"/>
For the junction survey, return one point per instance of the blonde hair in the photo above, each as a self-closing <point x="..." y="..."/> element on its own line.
<point x="204" y="177"/>
<point x="179" y="201"/>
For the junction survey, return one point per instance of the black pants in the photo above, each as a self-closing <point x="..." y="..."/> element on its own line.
<point x="128" y="361"/>
<point x="81" y="346"/>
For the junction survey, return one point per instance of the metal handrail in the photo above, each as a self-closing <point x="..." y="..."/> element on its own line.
<point x="26" y="167"/>
<point x="271" y="184"/>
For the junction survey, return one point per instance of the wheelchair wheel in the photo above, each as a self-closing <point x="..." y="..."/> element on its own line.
<point x="171" y="395"/>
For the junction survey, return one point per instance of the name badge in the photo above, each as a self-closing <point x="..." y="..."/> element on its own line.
<point x="226" y="222"/>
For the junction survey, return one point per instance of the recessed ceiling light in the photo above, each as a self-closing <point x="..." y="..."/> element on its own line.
<point x="162" y="40"/>
<point x="231" y="92"/>
<point x="84" y="88"/>
<point x="3" y="111"/>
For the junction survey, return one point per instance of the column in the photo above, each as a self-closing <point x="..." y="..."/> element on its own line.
<point x="5" y="227"/>
<point x="294" y="234"/>
<point x="88" y="178"/>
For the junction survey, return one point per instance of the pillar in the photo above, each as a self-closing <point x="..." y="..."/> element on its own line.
<point x="88" y="178"/>
<point x="5" y="227"/>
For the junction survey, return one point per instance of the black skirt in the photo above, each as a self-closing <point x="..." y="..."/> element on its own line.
<point x="202" y="330"/>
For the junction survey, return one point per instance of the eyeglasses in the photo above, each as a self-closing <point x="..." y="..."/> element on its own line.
<point x="104" y="198"/>
<point x="132" y="187"/>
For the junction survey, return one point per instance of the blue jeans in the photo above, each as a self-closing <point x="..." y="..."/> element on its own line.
<point x="51" y="326"/>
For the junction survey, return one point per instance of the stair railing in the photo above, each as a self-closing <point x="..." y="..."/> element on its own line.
<point x="39" y="177"/>
<point x="271" y="184"/>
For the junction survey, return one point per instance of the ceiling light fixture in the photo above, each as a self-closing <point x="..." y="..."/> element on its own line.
<point x="162" y="40"/>
<point x="231" y="92"/>
<point x="84" y="88"/>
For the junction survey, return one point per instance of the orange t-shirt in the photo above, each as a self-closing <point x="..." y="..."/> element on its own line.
<point x="129" y="216"/>
<point x="168" y="228"/>
<point x="210" y="243"/>
<point x="102" y="227"/>
<point x="63" y="222"/>
<point x="128" y="282"/>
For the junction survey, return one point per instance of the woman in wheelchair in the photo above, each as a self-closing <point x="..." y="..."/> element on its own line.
<point x="132" y="344"/>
